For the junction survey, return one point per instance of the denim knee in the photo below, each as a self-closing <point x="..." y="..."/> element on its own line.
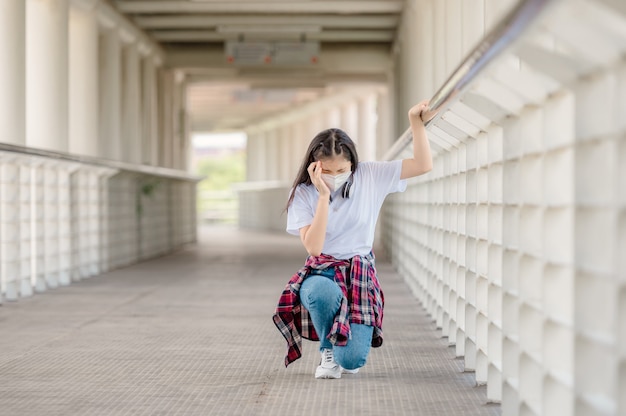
<point x="322" y="292"/>
<point x="350" y="359"/>
<point x="354" y="354"/>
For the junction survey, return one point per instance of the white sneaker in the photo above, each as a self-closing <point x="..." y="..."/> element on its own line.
<point x="328" y="368"/>
<point x="346" y="371"/>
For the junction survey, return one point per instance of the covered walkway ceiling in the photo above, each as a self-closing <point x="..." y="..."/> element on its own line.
<point x="303" y="50"/>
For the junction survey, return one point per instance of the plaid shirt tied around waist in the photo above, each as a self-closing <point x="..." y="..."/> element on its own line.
<point x="362" y="303"/>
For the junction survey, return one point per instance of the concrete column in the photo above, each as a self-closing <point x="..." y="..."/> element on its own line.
<point x="181" y="125"/>
<point x="454" y="34"/>
<point x="252" y="157"/>
<point x="47" y="50"/>
<point x="84" y="94"/>
<point x="131" y="124"/>
<point x="155" y="114"/>
<point x="176" y="143"/>
<point x="384" y="126"/>
<point x="13" y="71"/>
<point x="110" y="97"/>
<point x="295" y="157"/>
<point x="166" y="80"/>
<point x="261" y="158"/>
<point x="272" y="145"/>
<point x="367" y="127"/>
<point x="333" y="117"/>
<point x="285" y="159"/>
<point x="316" y="124"/>
<point x="349" y="121"/>
<point x="301" y="144"/>
<point x="425" y="82"/>
<point x="150" y="112"/>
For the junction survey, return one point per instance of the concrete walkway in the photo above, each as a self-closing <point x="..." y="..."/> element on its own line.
<point x="191" y="334"/>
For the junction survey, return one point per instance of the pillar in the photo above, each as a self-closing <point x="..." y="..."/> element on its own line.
<point x="254" y="155"/>
<point x="84" y="94"/>
<point x="261" y="156"/>
<point x="295" y="156"/>
<point x="367" y="127"/>
<point x="315" y="125"/>
<point x="166" y="118"/>
<point x="301" y="144"/>
<point x="272" y="142"/>
<point x="384" y="124"/>
<point x="47" y="51"/>
<point x="349" y="122"/>
<point x="110" y="94"/>
<point x="333" y="118"/>
<point x="13" y="71"/>
<point x="181" y="126"/>
<point x="150" y="111"/>
<point x="285" y="154"/>
<point x="131" y="124"/>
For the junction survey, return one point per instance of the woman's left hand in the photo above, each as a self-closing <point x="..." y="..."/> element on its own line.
<point x="416" y="113"/>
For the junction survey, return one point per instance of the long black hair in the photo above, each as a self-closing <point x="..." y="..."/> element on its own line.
<point x="327" y="144"/>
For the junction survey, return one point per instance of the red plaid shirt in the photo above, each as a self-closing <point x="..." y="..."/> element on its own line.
<point x="362" y="303"/>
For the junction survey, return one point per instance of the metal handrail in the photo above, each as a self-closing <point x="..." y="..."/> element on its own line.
<point x="491" y="46"/>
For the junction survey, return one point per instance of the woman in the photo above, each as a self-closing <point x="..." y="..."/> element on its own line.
<point x="333" y="206"/>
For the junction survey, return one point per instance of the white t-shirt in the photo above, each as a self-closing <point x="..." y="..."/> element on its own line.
<point x="351" y="221"/>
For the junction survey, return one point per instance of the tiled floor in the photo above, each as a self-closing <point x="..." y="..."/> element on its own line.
<point x="191" y="334"/>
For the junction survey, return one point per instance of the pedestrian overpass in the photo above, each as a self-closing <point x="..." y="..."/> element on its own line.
<point x="514" y="244"/>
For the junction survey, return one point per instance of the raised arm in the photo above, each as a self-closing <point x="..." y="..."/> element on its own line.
<point x="422" y="160"/>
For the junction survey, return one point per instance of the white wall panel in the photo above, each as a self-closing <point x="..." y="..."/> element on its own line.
<point x="513" y="242"/>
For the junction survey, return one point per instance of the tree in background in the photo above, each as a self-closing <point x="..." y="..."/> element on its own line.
<point x="216" y="200"/>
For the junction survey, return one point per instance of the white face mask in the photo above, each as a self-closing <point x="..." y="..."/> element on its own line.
<point x="335" y="182"/>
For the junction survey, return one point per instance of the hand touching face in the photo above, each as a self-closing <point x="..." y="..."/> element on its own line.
<point x="315" y="173"/>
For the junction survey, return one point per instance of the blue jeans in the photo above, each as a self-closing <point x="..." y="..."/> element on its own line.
<point x="321" y="296"/>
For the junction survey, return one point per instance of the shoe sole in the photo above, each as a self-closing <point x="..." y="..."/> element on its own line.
<point x="344" y="371"/>
<point x="328" y="375"/>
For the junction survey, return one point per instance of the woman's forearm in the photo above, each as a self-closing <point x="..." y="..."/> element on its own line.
<point x="316" y="234"/>
<point x="421" y="146"/>
<point x="422" y="160"/>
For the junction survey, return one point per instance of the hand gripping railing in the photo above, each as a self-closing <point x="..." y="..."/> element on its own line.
<point x="492" y="45"/>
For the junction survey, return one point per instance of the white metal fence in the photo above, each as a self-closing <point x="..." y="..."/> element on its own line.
<point x="63" y="220"/>
<point x="515" y="242"/>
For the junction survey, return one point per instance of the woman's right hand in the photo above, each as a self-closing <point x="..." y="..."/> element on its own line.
<point x="315" y="173"/>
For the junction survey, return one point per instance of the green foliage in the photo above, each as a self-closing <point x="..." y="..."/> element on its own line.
<point x="215" y="200"/>
<point x="221" y="172"/>
<point x="147" y="187"/>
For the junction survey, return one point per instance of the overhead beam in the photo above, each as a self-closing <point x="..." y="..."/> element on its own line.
<point x="363" y="59"/>
<point x="325" y="36"/>
<point x="349" y="7"/>
<point x="289" y="80"/>
<point x="211" y="21"/>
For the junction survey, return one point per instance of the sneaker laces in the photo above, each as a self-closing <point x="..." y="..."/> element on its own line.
<point x="328" y="358"/>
